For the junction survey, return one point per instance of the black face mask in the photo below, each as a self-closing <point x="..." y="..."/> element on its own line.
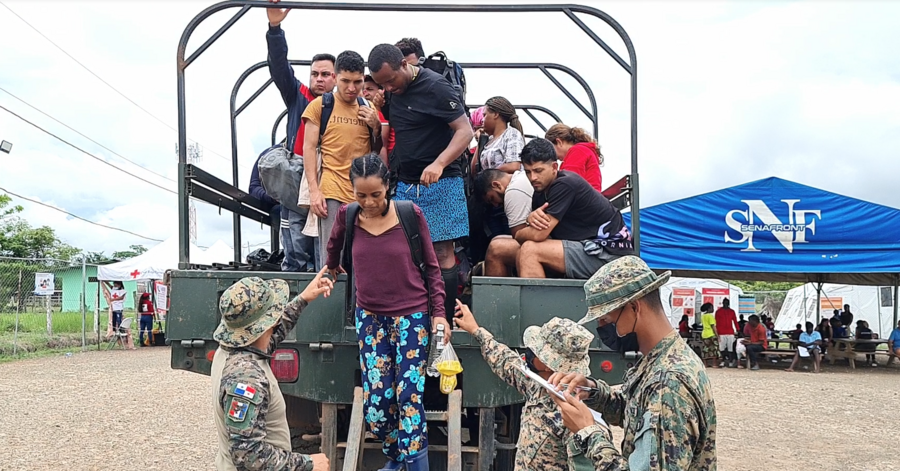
<point x="610" y="337"/>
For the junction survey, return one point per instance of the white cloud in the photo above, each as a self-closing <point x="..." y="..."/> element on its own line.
<point x="728" y="92"/>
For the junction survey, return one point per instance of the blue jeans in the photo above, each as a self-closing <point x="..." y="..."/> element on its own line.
<point x="117" y="319"/>
<point x="392" y="356"/>
<point x="298" y="248"/>
<point x="146" y="324"/>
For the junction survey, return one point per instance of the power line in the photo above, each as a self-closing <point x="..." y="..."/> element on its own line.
<point x="86" y="137"/>
<point x="78" y="217"/>
<point x="70" y="56"/>
<point x="86" y="152"/>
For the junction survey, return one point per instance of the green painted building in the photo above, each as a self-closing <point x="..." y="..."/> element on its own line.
<point x="69" y="280"/>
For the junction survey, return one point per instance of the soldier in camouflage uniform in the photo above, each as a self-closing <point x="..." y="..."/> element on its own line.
<point x="558" y="345"/>
<point x="665" y="404"/>
<point x="249" y="409"/>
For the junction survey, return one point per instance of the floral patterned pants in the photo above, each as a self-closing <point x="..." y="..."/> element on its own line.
<point x="392" y="355"/>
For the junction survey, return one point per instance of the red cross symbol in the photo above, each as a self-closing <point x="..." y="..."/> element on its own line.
<point x="134" y="274"/>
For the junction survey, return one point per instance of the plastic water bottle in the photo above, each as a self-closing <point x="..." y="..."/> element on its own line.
<point x="437" y="346"/>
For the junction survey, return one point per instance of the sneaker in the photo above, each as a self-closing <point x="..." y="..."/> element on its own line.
<point x="754" y="367"/>
<point x="722" y="364"/>
<point x="874" y="364"/>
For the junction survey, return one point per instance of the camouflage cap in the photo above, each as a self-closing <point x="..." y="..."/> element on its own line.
<point x="249" y="308"/>
<point x="618" y="282"/>
<point x="562" y="345"/>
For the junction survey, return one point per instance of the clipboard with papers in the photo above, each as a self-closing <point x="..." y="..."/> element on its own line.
<point x="552" y="390"/>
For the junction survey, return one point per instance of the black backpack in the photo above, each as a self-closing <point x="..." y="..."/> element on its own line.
<point x="452" y="71"/>
<point x="328" y="108"/>
<point x="408" y="222"/>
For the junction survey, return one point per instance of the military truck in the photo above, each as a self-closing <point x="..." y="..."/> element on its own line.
<point x="475" y="427"/>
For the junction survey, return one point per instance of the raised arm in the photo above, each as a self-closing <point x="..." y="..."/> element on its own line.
<point x="279" y="68"/>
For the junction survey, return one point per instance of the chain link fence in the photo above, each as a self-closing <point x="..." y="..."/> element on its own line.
<point x="54" y="304"/>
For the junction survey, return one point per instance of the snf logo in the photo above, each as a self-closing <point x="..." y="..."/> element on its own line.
<point x="759" y="218"/>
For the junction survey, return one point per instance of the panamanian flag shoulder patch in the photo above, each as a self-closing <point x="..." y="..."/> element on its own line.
<point x="237" y="411"/>
<point x="245" y="391"/>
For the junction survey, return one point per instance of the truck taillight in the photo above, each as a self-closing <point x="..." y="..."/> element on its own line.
<point x="606" y="366"/>
<point x="285" y="365"/>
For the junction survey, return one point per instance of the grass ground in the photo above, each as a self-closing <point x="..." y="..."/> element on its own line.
<point x="32" y="339"/>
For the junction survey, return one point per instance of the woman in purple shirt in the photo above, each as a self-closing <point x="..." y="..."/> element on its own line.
<point x="392" y="319"/>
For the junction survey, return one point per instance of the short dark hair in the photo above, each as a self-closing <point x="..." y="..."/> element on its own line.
<point x="538" y="150"/>
<point x="754" y="317"/>
<point x="706" y="307"/>
<point x="323" y="57"/>
<point x="484" y="179"/>
<point x="726" y="302"/>
<point x="385" y="54"/>
<point x="809" y="325"/>
<point x="349" y="61"/>
<point x="411" y="46"/>
<point x="369" y="165"/>
<point x="654" y="302"/>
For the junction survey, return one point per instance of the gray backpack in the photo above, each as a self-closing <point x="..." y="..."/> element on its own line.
<point x="281" y="174"/>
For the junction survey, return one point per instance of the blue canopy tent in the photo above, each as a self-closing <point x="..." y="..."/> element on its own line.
<point x="774" y="230"/>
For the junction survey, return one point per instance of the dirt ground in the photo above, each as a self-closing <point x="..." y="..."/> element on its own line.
<point x="129" y="410"/>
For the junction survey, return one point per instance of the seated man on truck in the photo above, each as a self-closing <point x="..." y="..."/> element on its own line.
<point x="559" y="345"/>
<point x="514" y="192"/>
<point x="572" y="231"/>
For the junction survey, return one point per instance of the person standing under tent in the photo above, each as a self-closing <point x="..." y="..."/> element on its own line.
<point x="148" y="315"/>
<point x="115" y="300"/>
<point x="394" y="318"/>
<point x="710" y="337"/>
<point x="726" y="327"/>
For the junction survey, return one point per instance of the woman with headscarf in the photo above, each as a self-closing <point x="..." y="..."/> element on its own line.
<point x="578" y="151"/>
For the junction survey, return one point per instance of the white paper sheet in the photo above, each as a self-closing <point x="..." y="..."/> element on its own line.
<point x="802" y="351"/>
<point x="552" y="390"/>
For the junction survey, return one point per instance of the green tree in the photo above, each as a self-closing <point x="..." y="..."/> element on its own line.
<point x="97" y="258"/>
<point x="134" y="251"/>
<point x="19" y="239"/>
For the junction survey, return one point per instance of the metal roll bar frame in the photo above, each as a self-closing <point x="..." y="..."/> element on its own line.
<point x="187" y="171"/>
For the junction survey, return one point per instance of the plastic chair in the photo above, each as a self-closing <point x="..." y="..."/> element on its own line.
<point x="120" y="334"/>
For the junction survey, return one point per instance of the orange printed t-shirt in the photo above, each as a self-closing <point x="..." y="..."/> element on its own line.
<point x="758" y="335"/>
<point x="346" y="138"/>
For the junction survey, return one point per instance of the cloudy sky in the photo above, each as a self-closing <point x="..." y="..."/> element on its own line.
<point x="729" y="92"/>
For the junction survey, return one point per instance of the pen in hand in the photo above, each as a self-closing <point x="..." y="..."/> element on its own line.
<point x="578" y="388"/>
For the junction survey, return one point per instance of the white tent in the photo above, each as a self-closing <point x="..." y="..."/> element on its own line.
<point x="696" y="284"/>
<point x="152" y="264"/>
<point x="873" y="304"/>
<point x="219" y="252"/>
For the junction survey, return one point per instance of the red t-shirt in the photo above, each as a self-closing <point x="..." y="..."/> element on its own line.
<point x="146" y="307"/>
<point x="758" y="334"/>
<point x="725" y="321"/>
<point x="298" y="141"/>
<point x="582" y="159"/>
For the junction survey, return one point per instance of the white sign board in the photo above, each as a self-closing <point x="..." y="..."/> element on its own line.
<point x="162" y="296"/>
<point x="43" y="284"/>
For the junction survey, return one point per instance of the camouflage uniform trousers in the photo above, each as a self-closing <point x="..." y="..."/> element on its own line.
<point x="667" y="410"/>
<point x="541" y="445"/>
<point x="250" y="402"/>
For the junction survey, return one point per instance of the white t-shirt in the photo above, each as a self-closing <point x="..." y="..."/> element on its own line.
<point x="517" y="199"/>
<point x="503" y="150"/>
<point x="118" y="305"/>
